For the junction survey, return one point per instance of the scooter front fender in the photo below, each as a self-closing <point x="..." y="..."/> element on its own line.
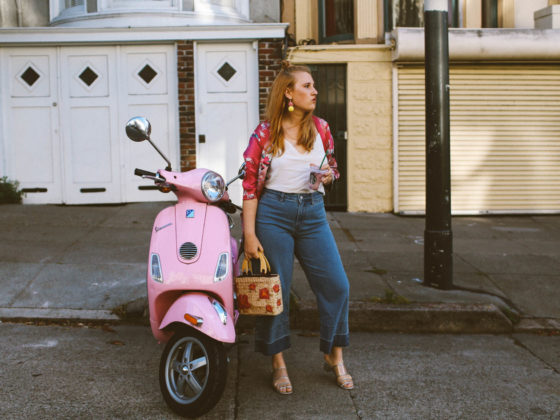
<point x="199" y="305"/>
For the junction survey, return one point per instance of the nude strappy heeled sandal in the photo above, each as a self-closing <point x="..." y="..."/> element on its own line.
<point x="343" y="378"/>
<point x="281" y="382"/>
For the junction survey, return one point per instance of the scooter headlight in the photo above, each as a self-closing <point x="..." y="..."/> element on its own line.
<point x="213" y="186"/>
<point x="155" y="268"/>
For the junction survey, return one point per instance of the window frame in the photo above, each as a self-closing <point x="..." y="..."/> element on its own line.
<point x="323" y="39"/>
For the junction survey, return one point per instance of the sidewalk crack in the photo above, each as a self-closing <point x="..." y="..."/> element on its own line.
<point x="532" y="353"/>
<point x="236" y="395"/>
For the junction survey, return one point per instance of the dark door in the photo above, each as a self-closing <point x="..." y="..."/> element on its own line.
<point x="330" y="82"/>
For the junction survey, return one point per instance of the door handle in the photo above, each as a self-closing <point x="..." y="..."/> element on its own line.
<point x="201" y="138"/>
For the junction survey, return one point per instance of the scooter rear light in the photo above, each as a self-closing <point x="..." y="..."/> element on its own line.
<point x="221" y="267"/>
<point x="155" y="268"/>
<point x="195" y="320"/>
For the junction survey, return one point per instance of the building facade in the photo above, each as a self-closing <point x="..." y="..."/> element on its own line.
<point x="74" y="71"/>
<point x="504" y="92"/>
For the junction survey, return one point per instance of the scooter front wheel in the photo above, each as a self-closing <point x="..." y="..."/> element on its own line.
<point x="192" y="373"/>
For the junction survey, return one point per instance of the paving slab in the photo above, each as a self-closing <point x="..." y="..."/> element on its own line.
<point x="32" y="251"/>
<point x="314" y="397"/>
<point x="415" y="291"/>
<point x="83" y="286"/>
<point x="14" y="279"/>
<point x="545" y="347"/>
<point x="539" y="297"/>
<point x="513" y="264"/>
<point x="445" y="376"/>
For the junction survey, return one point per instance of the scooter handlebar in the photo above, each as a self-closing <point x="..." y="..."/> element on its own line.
<point x="141" y="172"/>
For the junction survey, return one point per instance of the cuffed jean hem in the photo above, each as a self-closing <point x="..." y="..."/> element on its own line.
<point x="338" y="341"/>
<point x="269" y="349"/>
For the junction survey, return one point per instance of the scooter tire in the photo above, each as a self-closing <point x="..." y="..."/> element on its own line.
<point x="192" y="372"/>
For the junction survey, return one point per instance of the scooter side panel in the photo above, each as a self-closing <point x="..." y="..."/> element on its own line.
<point x="200" y="305"/>
<point x="178" y="276"/>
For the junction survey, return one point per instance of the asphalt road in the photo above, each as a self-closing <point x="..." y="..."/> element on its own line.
<point x="101" y="372"/>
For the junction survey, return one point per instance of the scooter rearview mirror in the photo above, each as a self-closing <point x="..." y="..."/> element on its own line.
<point x="138" y="129"/>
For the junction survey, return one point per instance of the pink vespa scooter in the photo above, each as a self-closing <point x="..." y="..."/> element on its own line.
<point x="191" y="265"/>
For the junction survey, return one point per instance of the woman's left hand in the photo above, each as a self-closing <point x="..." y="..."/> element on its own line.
<point x="327" y="178"/>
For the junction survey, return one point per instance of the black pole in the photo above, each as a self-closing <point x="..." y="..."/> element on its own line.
<point x="438" y="240"/>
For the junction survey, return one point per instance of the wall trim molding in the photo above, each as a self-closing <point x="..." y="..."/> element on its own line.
<point x="63" y="35"/>
<point x="466" y="45"/>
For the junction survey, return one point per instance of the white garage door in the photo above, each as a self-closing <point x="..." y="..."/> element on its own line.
<point x="64" y="120"/>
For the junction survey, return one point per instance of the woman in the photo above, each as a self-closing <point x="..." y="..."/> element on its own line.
<point x="283" y="217"/>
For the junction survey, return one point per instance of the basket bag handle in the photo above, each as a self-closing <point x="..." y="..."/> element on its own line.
<point x="246" y="266"/>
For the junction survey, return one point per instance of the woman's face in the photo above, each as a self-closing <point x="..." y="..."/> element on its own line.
<point x="303" y="94"/>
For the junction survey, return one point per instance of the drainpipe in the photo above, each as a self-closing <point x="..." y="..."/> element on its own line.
<point x="438" y="240"/>
<point x="19" y="13"/>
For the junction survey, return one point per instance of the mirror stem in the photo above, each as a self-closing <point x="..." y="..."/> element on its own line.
<point x="162" y="155"/>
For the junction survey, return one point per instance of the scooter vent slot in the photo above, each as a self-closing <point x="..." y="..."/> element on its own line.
<point x="188" y="251"/>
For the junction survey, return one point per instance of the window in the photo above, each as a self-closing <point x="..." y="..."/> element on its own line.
<point x="336" y="20"/>
<point x="410" y="13"/>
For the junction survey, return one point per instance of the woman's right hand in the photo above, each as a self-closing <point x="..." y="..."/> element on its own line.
<point x="252" y="247"/>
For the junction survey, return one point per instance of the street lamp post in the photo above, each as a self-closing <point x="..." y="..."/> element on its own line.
<point x="438" y="240"/>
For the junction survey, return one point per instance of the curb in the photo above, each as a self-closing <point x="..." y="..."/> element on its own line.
<point x="40" y="314"/>
<point x="448" y="318"/>
<point x="537" y="326"/>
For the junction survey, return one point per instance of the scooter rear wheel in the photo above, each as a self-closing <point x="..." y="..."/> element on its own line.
<point x="192" y="372"/>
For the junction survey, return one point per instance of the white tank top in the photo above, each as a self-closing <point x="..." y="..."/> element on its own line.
<point x="289" y="172"/>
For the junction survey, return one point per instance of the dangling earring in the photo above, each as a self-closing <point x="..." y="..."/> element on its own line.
<point x="290" y="106"/>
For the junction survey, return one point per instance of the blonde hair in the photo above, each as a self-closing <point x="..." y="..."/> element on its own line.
<point x="277" y="109"/>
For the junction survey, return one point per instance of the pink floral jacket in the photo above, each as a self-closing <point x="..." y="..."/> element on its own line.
<point x="258" y="158"/>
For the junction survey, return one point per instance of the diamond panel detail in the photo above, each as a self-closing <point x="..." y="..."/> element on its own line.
<point x="30" y="76"/>
<point x="147" y="73"/>
<point x="226" y="71"/>
<point x="88" y="76"/>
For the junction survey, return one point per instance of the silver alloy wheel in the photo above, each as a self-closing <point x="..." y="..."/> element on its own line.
<point x="186" y="370"/>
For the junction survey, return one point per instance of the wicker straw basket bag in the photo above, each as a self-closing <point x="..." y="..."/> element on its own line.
<point x="261" y="293"/>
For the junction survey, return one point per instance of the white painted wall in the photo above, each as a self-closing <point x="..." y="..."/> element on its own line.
<point x="524" y="12"/>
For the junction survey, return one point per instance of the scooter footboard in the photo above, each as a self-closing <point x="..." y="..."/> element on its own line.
<point x="204" y="313"/>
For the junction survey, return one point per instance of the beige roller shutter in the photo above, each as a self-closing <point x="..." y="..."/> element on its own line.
<point x="505" y="139"/>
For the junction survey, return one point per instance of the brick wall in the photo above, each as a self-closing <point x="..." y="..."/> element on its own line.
<point x="187" y="128"/>
<point x="270" y="57"/>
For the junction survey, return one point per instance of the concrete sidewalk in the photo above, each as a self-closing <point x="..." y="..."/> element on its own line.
<point x="89" y="263"/>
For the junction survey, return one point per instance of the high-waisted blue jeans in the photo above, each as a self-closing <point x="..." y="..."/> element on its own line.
<point x="296" y="224"/>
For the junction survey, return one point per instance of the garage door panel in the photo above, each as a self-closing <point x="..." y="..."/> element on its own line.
<point x="34" y="147"/>
<point x="30" y="123"/>
<point x="92" y="157"/>
<point x="150" y="91"/>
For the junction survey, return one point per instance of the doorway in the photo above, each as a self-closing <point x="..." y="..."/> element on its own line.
<point x="330" y="82"/>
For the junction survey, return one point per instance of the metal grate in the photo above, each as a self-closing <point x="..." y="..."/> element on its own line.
<point x="188" y="251"/>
